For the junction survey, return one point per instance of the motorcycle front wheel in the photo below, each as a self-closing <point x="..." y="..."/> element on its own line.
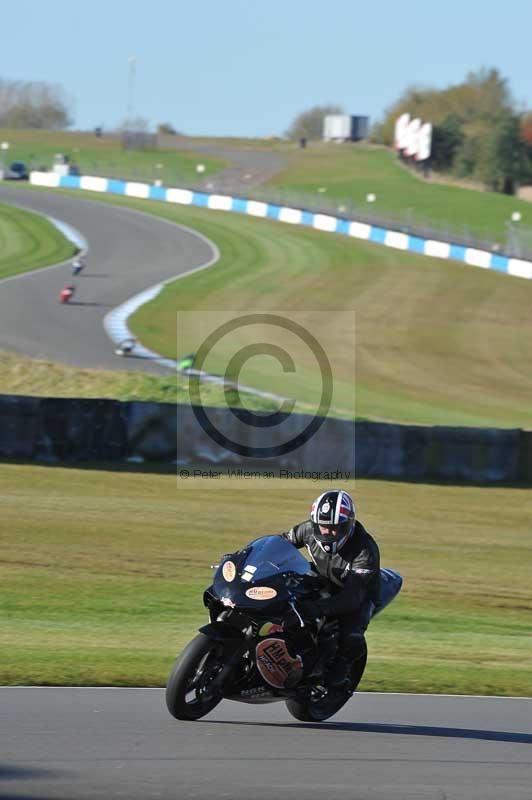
<point x="187" y="691"/>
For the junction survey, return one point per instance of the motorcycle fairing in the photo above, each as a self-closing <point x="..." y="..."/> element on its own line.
<point x="264" y="570"/>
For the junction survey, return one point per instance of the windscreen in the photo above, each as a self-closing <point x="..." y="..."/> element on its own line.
<point x="272" y="555"/>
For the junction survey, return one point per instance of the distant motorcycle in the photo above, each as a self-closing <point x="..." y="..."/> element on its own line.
<point x="77" y="265"/>
<point x="126" y="347"/>
<point x="66" y="293"/>
<point x="258" y="648"/>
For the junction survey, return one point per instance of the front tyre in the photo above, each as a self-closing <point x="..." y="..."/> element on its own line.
<point x="187" y="692"/>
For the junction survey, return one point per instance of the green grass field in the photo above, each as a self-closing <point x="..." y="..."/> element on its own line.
<point x="28" y="241"/>
<point x="102" y="575"/>
<point x="350" y="172"/>
<point x="437" y="342"/>
<point x="105" y="156"/>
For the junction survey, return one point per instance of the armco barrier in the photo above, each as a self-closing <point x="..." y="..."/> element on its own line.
<point x="295" y="216"/>
<point x="53" y="430"/>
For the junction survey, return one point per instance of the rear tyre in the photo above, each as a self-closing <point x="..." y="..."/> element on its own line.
<point x="187" y="692"/>
<point x="319" y="709"/>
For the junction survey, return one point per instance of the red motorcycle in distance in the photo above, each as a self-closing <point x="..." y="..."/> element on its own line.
<point x="66" y="293"/>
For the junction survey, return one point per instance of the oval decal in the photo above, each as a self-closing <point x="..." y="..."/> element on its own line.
<point x="261" y="593"/>
<point x="229" y="571"/>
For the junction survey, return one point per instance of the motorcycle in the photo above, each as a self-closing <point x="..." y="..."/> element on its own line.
<point x="126" y="347"/>
<point x="77" y="266"/>
<point x="258" y="647"/>
<point x="66" y="294"/>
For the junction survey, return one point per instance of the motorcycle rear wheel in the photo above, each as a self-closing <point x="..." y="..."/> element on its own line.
<point x="187" y="690"/>
<point x="309" y="710"/>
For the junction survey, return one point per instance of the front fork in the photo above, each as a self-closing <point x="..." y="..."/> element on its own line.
<point x="221" y="683"/>
<point x="236" y="647"/>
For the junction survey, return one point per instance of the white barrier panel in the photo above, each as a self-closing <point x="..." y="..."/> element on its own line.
<point x="291" y="215"/>
<point x="437" y="249"/>
<point x="396" y="239"/>
<point x="359" y="230"/>
<point x="220" y="202"/>
<point x="477" y="258"/>
<point x="93" y="184"/>
<point x="183" y="196"/>
<point x="521" y="269"/>
<point x="257" y="209"/>
<point x="322" y="222"/>
<point x="141" y="190"/>
<point x="44" y="179"/>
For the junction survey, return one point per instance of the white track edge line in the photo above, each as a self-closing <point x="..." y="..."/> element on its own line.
<point x="364" y="694"/>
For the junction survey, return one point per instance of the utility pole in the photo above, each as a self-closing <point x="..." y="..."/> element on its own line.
<point x="132" y="62"/>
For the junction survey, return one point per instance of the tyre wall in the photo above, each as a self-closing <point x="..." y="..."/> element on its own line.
<point x="62" y="430"/>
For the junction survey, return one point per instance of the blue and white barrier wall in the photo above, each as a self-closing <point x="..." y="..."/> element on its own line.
<point x="295" y="216"/>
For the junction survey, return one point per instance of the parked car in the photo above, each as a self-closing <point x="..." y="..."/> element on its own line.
<point x="17" y="171"/>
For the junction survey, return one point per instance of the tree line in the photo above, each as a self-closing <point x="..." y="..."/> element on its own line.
<point x="33" y="104"/>
<point x="478" y="130"/>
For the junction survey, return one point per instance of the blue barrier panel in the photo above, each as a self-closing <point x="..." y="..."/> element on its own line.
<point x="200" y="199"/>
<point x="273" y="211"/>
<point x="377" y="235"/>
<point x="457" y="252"/>
<point x="500" y="263"/>
<point x="70" y="181"/>
<point x="342" y="226"/>
<point x="240" y="205"/>
<point x="157" y="193"/>
<point x="116" y="187"/>
<point x="307" y="218"/>
<point x="416" y="244"/>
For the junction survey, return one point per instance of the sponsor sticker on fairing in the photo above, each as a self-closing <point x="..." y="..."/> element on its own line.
<point x="261" y="593"/>
<point x="276" y="665"/>
<point x="229" y="571"/>
<point x="269" y="628"/>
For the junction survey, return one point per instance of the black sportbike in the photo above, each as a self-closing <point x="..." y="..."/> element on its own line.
<point x="258" y="648"/>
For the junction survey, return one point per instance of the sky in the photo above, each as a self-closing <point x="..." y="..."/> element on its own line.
<point x="235" y="68"/>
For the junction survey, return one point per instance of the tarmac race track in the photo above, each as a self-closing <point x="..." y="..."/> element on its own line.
<point x="101" y="744"/>
<point x="128" y="252"/>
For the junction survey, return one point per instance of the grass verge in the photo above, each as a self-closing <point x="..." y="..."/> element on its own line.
<point x="351" y="172"/>
<point x="21" y="375"/>
<point x="437" y="342"/>
<point x="102" y="575"/>
<point x="105" y="156"/>
<point x="28" y="241"/>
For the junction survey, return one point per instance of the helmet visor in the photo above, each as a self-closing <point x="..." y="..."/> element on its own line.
<point x="335" y="531"/>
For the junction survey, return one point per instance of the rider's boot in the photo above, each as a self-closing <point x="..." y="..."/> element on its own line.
<point x="353" y="648"/>
<point x="339" y="675"/>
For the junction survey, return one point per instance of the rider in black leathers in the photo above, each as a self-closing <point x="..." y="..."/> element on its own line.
<point x="347" y="557"/>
